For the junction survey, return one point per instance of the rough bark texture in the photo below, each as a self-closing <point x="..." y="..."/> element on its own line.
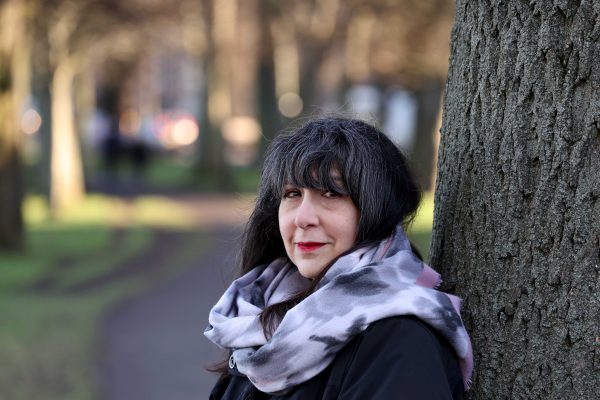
<point x="517" y="217"/>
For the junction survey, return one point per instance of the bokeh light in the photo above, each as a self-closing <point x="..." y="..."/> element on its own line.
<point x="184" y="132"/>
<point x="241" y="131"/>
<point x="176" y="129"/>
<point x="290" y="104"/>
<point x="130" y="122"/>
<point x="31" y="122"/>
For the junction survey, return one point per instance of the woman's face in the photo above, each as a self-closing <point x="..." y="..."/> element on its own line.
<point x="316" y="227"/>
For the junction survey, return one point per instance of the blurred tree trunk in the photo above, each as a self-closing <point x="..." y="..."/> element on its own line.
<point x="269" y="116"/>
<point x="244" y="60"/>
<point x="14" y="85"/>
<point x="66" y="169"/>
<point x="328" y="86"/>
<point x="218" y="87"/>
<point x="11" y="191"/>
<point x="232" y="77"/>
<point x="429" y="98"/>
<point x="517" y="218"/>
<point x="66" y="178"/>
<point x="41" y="92"/>
<point x="278" y="72"/>
<point x="329" y="32"/>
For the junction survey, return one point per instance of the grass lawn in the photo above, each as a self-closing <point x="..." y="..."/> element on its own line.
<point x="419" y="232"/>
<point x="48" y="337"/>
<point x="47" y="342"/>
<point x="171" y="174"/>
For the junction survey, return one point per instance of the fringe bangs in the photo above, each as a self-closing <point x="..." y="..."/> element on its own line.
<point x="318" y="164"/>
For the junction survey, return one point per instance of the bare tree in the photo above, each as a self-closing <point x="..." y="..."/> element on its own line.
<point x="338" y="43"/>
<point x="517" y="217"/>
<point x="77" y="30"/>
<point x="14" y="85"/>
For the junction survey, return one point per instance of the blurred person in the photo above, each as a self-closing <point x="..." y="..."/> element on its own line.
<point x="332" y="301"/>
<point x="112" y="147"/>
<point x="139" y="155"/>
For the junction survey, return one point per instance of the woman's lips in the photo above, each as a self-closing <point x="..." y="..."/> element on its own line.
<point x="309" y="246"/>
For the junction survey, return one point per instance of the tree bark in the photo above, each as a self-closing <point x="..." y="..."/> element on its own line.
<point x="517" y="215"/>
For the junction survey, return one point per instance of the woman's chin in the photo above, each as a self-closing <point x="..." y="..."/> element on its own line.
<point x="310" y="268"/>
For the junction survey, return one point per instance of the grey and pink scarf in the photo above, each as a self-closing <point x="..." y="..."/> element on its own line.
<point x="362" y="287"/>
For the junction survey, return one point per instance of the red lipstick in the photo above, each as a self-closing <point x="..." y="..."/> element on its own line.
<point x="310" y="246"/>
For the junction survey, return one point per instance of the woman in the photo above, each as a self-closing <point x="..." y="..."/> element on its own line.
<point x="331" y="302"/>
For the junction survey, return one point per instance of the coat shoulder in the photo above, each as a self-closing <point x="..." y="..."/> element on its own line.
<point x="402" y="354"/>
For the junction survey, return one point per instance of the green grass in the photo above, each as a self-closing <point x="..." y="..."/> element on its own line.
<point x="419" y="231"/>
<point x="167" y="172"/>
<point x="46" y="345"/>
<point x="245" y="179"/>
<point x="135" y="241"/>
<point x="45" y="247"/>
<point x="48" y="340"/>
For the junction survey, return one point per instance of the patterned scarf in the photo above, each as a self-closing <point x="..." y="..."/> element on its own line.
<point x="362" y="287"/>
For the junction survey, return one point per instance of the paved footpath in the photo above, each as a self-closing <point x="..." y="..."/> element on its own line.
<point x="153" y="347"/>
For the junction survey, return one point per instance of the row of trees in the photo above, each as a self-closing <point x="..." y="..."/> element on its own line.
<point x="45" y="47"/>
<point x="251" y="51"/>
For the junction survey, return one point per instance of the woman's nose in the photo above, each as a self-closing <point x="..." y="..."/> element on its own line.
<point x="306" y="213"/>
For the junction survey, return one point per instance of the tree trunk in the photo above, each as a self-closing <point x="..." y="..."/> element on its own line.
<point x="270" y="119"/>
<point x="41" y="92"/>
<point x="66" y="185"/>
<point x="517" y="217"/>
<point x="244" y="60"/>
<point x="11" y="193"/>
<point x="429" y="102"/>
<point x="14" y="85"/>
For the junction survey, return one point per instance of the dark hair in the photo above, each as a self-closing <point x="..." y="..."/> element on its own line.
<point x="374" y="174"/>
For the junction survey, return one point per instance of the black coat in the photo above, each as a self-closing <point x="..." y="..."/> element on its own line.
<point x="394" y="358"/>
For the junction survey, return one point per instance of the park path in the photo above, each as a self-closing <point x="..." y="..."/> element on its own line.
<point x="153" y="347"/>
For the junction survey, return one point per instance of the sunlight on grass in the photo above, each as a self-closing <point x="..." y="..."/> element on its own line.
<point x="424" y="217"/>
<point x="107" y="210"/>
<point x="419" y="231"/>
<point x="160" y="211"/>
<point x="86" y="230"/>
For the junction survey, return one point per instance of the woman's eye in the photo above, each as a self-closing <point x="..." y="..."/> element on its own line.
<point x="331" y="195"/>
<point x="289" y="194"/>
